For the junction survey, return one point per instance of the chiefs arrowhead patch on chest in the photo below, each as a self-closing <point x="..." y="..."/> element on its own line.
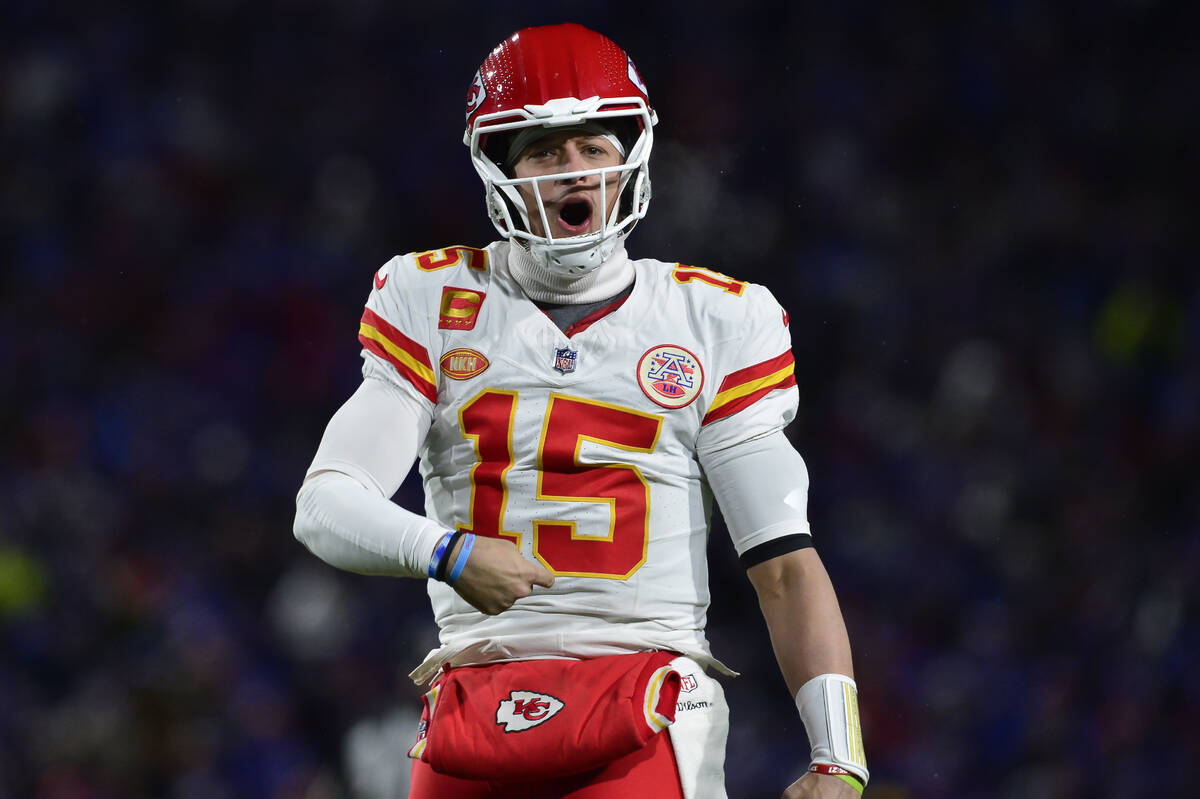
<point x="670" y="376"/>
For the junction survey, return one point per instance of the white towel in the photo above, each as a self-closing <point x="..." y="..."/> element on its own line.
<point x="699" y="732"/>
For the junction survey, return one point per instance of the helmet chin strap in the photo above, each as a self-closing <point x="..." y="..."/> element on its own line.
<point x="573" y="262"/>
<point x="543" y="281"/>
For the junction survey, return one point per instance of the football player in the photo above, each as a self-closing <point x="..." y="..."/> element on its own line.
<point x="575" y="411"/>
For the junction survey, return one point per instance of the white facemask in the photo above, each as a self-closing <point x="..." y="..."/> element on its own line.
<point x="571" y="256"/>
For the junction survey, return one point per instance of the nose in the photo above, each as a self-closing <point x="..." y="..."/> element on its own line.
<point x="573" y="162"/>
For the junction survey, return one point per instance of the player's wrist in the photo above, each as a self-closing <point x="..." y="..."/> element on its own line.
<point x="419" y="543"/>
<point x="828" y="705"/>
<point x="458" y="559"/>
<point x="450" y="556"/>
<point x="837" y="772"/>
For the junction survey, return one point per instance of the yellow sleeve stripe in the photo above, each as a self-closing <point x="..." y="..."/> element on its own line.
<point x="730" y="394"/>
<point x="396" y="352"/>
<point x="417" y="373"/>
<point x="743" y="388"/>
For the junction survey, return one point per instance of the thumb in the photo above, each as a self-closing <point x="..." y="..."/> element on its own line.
<point x="542" y="576"/>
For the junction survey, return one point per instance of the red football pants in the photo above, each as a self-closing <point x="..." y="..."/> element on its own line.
<point x="650" y="771"/>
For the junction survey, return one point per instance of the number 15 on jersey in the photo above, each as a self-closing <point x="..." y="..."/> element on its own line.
<point x="487" y="420"/>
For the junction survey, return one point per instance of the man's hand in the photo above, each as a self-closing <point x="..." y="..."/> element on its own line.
<point x="819" y="786"/>
<point x="497" y="575"/>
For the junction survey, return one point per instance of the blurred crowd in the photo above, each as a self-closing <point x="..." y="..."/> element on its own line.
<point x="974" y="213"/>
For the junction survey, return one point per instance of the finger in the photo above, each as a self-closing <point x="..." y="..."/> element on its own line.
<point x="542" y="577"/>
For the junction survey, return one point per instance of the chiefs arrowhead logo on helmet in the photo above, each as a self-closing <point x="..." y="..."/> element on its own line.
<point x="476" y="94"/>
<point x="635" y="78"/>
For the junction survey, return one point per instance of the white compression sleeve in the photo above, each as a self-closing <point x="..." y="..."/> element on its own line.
<point x="348" y="525"/>
<point x="343" y="513"/>
<point x="762" y="487"/>
<point x="374" y="437"/>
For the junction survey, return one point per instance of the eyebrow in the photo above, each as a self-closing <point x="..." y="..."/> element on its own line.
<point x="550" y="141"/>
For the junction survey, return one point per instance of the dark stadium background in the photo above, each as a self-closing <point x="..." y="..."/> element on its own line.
<point x="975" y="213"/>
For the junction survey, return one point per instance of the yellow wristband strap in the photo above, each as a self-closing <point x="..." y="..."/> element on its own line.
<point x="853" y="783"/>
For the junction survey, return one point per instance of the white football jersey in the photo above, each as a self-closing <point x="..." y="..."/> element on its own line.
<point x="581" y="449"/>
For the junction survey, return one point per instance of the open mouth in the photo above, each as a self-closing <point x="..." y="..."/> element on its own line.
<point x="575" y="215"/>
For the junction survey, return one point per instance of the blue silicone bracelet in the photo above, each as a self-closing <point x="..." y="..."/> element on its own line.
<point x="461" y="561"/>
<point x="438" y="552"/>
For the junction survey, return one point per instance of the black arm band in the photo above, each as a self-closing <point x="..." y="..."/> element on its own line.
<point x="774" y="548"/>
<point x="444" y="564"/>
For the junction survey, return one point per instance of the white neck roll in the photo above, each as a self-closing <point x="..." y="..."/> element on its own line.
<point x="542" y="285"/>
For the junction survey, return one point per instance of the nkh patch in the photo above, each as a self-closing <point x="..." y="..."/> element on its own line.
<point x="564" y="360"/>
<point x="463" y="364"/>
<point x="525" y="709"/>
<point x="670" y="376"/>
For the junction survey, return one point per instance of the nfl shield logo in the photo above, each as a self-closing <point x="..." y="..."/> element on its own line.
<point x="564" y="360"/>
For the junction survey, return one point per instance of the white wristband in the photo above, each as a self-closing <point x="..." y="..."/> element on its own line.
<point x="828" y="705"/>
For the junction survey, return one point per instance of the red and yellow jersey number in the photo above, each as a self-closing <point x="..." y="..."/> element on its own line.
<point x="487" y="420"/>
<point x="433" y="260"/>
<point x="687" y="274"/>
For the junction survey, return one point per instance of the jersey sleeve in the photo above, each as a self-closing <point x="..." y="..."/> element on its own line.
<point x="757" y="391"/>
<point x="396" y="335"/>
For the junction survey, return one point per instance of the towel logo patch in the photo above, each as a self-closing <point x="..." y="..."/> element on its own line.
<point x="525" y="709"/>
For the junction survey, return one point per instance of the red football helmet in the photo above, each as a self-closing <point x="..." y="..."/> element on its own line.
<point x="560" y="76"/>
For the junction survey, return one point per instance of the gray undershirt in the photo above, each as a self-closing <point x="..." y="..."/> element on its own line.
<point x="564" y="315"/>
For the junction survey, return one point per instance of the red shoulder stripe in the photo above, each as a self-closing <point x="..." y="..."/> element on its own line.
<point x="409" y="358"/>
<point x="757" y="371"/>
<point x="394" y="335"/>
<point x="743" y="388"/>
<point x="743" y="402"/>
